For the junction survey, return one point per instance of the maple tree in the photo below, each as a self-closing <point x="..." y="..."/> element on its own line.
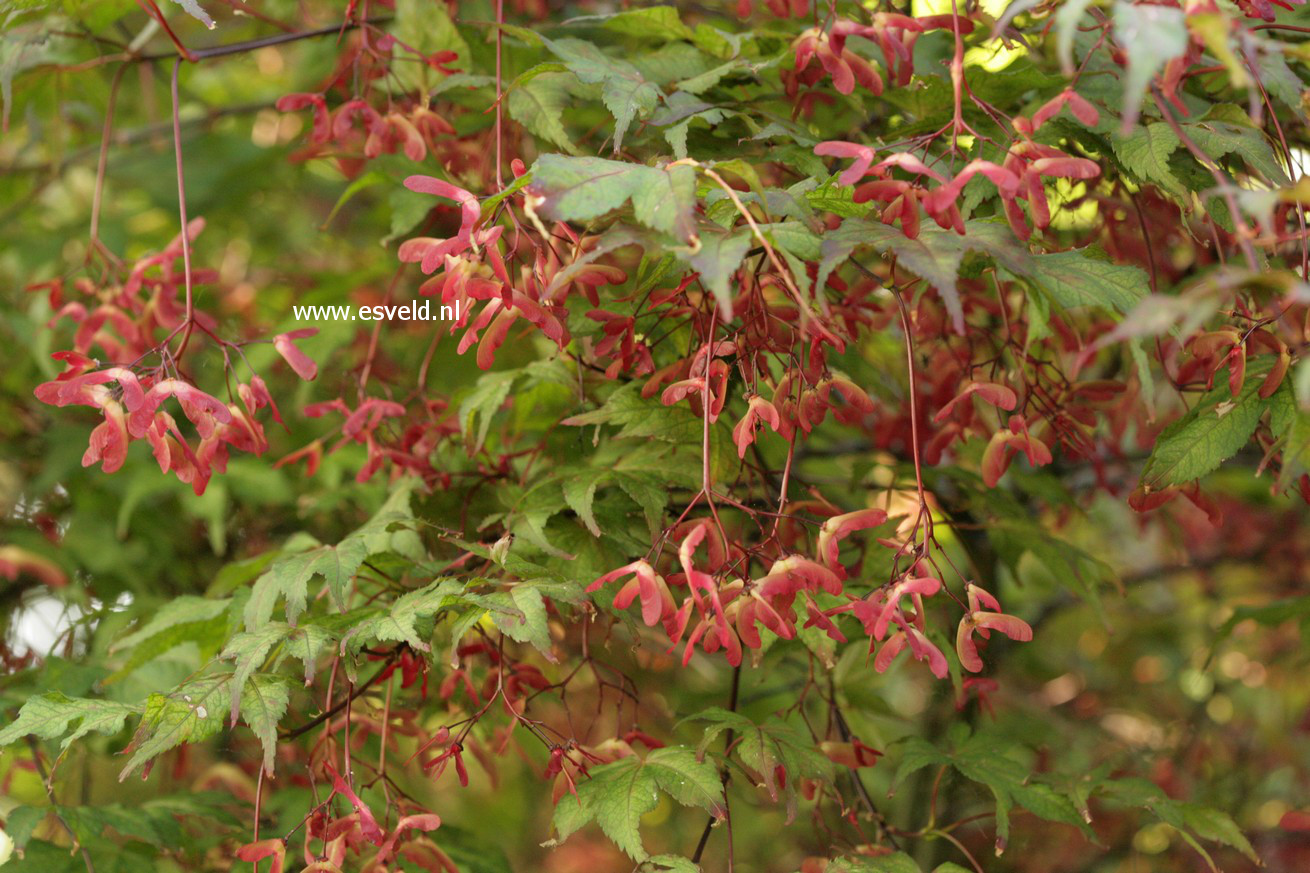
<point x="860" y="436"/>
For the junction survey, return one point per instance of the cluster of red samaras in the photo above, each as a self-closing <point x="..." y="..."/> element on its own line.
<point x="718" y="612"/>
<point x="372" y="117"/>
<point x="570" y="762"/>
<point x="1019" y="177"/>
<point x="798" y="402"/>
<point x="123" y="324"/>
<point x="356" y="128"/>
<point x="414" y="133"/>
<point x="354" y="834"/>
<point x="474" y="278"/>
<point x="893" y="33"/>
<point x="473" y="274"/>
<point x="785" y="415"/>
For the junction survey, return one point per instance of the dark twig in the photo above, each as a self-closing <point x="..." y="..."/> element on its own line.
<point x="249" y="45"/>
<point x="359" y="689"/>
<point x="728" y="737"/>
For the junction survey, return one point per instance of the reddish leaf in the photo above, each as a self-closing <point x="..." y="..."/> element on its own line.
<point x="835" y="529"/>
<point x="996" y="394"/>
<point x="367" y="823"/>
<point x="422" y="822"/>
<point x="923" y="586"/>
<point x="256" y="852"/>
<point x="862" y="154"/>
<point x="759" y="411"/>
<point x="300" y="362"/>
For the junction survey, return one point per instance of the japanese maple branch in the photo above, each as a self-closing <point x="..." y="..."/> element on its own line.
<point x="1224" y="185"/>
<point x="358" y="690"/>
<point x="153" y="11"/>
<point x="973" y="862"/>
<point x="500" y="20"/>
<point x="235" y="48"/>
<point x="912" y="374"/>
<point x="925" y="515"/>
<point x="844" y="731"/>
<point x="181" y="207"/>
<point x="728" y="735"/>
<point x="103" y="160"/>
<point x="759" y="235"/>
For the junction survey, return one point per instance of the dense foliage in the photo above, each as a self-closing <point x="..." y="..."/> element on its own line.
<point x="849" y="436"/>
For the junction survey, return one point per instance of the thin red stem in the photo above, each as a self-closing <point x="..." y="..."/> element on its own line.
<point x="190" y="319"/>
<point x="500" y="20"/>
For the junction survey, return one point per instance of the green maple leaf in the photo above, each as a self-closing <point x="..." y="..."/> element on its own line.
<point x="1151" y="36"/>
<point x="648" y="490"/>
<point x="51" y="715"/>
<point x="625" y="92"/>
<point x="829" y="196"/>
<point x="580" y="493"/>
<point x="1086" y="277"/>
<point x="251" y="649"/>
<point x="482" y="403"/>
<point x="427" y="29"/>
<point x="766" y="746"/>
<point x="400" y="622"/>
<point x="1191" y="820"/>
<point x="578" y="189"/>
<point x="650" y="22"/>
<point x="617" y="795"/>
<point x="1145" y="154"/>
<point x="186" y="619"/>
<point x="538" y="104"/>
<point x="1228" y="130"/>
<point x="935" y="256"/>
<point x="188" y="714"/>
<point x="1211" y="432"/>
<point x="154" y="822"/>
<point x="288" y="577"/>
<point x="264" y="701"/>
<point x="991" y="761"/>
<point x="1290" y="422"/>
<point x="717" y="260"/>
<point x="646" y="418"/>
<point x="186" y="609"/>
<point x="522" y="616"/>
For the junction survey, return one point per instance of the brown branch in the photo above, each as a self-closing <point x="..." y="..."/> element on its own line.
<point x="249" y="45"/>
<point x="181" y="208"/>
<point x="500" y="21"/>
<point x="729" y="736"/>
<point x="1225" y="187"/>
<point x="154" y="12"/>
<point x="104" y="154"/>
<point x="844" y="731"/>
<point x="359" y="689"/>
